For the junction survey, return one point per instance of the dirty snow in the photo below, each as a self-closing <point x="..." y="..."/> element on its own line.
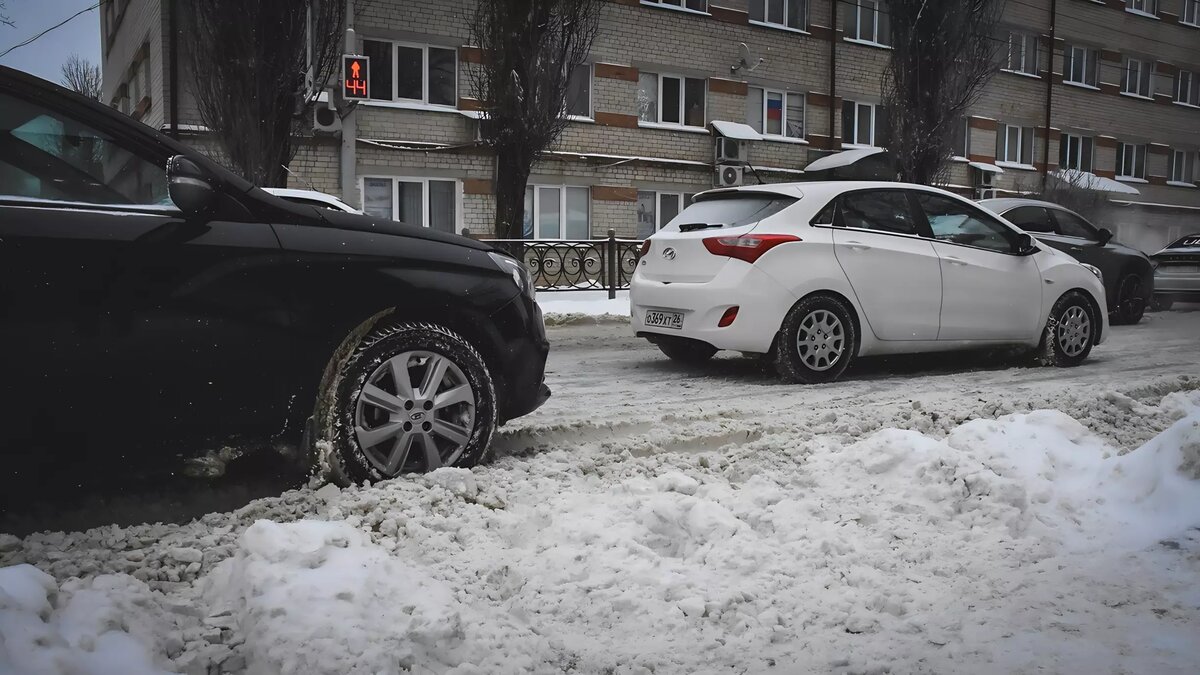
<point x="573" y="307"/>
<point x="916" y="517"/>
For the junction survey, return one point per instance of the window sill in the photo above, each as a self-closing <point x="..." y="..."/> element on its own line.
<point x="673" y="8"/>
<point x="866" y="43"/>
<point x="1179" y="183"/>
<point x="1081" y="85"/>
<point x="779" y="26"/>
<point x="1139" y="12"/>
<point x="1021" y="73"/>
<point x="860" y="146"/>
<point x="784" y="139"/>
<point x="673" y="127"/>
<point x="1186" y="105"/>
<point x="581" y="119"/>
<point x="405" y="105"/>
<point x="1129" y="94"/>
<point x="1189" y="24"/>
<point x="1016" y="165"/>
<point x="1133" y="179"/>
<point x="959" y="158"/>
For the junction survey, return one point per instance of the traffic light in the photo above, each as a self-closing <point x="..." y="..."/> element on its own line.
<point x="356" y="77"/>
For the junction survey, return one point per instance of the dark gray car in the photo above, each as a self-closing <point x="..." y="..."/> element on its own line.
<point x="1128" y="273"/>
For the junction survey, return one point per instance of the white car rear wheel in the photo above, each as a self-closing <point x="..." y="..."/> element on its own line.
<point x="816" y="342"/>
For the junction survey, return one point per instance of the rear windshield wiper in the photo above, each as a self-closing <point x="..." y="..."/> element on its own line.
<point x="692" y="227"/>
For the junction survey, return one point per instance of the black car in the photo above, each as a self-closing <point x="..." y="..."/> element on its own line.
<point x="1177" y="275"/>
<point x="155" y="306"/>
<point x="1128" y="273"/>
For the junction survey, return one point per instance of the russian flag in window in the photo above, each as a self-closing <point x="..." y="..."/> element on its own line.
<point x="774" y="108"/>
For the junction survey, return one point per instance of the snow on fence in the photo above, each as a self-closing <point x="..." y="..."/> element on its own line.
<point x="574" y="265"/>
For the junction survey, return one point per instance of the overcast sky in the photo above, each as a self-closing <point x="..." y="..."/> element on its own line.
<point x="45" y="56"/>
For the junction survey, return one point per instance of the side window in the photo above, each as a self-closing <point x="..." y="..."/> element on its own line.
<point x="1031" y="219"/>
<point x="955" y="222"/>
<point x="825" y="215"/>
<point x="46" y="155"/>
<point x="1071" y="225"/>
<point x="882" y="210"/>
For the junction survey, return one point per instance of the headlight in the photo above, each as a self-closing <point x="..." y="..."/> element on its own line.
<point x="1094" y="270"/>
<point x="520" y="275"/>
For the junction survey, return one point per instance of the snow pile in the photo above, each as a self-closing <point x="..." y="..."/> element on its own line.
<point x="573" y="307"/>
<point x="107" y="624"/>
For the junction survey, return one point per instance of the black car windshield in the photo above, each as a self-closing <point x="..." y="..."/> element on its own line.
<point x="1190" y="241"/>
<point x="730" y="210"/>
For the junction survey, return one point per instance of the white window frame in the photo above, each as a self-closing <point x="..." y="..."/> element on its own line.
<point x="766" y="20"/>
<point x="783" y="126"/>
<point x="1187" y="87"/>
<point x="1136" y="73"/>
<point x="1142" y="7"/>
<point x="1028" y="63"/>
<point x="682" y="123"/>
<point x="1127" y="153"/>
<point x="1183" y="168"/>
<point x="1076" y="157"/>
<point x="591" y="108"/>
<point x="1019" y="162"/>
<point x="854" y="32"/>
<point x="658" y="195"/>
<point x="1090" y="65"/>
<point x="677" y="5"/>
<point x="1190" y="15"/>
<point x="424" y="181"/>
<point x="966" y="124"/>
<point x="562" y="209"/>
<point x="874" y="124"/>
<point x="425" y="78"/>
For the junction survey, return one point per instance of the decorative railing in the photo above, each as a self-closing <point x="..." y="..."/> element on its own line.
<point x="565" y="265"/>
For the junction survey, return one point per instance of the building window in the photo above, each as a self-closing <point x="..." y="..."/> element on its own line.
<point x="775" y="113"/>
<point x="1014" y="145"/>
<point x="781" y="13"/>
<point x="1075" y="152"/>
<point x="424" y="202"/>
<point x="960" y="138"/>
<point x="864" y="124"/>
<point x="1131" y="161"/>
<point x="557" y="212"/>
<point x="693" y="5"/>
<point x="1138" y="77"/>
<point x="1149" y="7"/>
<point x="1080" y="65"/>
<point x="1191" y="12"/>
<point x="1183" y="166"/>
<point x="656" y="209"/>
<point x="868" y="21"/>
<point x="414" y="73"/>
<point x="671" y="99"/>
<point x="579" y="92"/>
<point x="1187" y="87"/>
<point x="1022" y="53"/>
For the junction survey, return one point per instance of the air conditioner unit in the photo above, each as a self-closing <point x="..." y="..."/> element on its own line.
<point x="984" y="179"/>
<point x="730" y="151"/>
<point x="326" y="118"/>
<point x="728" y="175"/>
<point x="986" y="193"/>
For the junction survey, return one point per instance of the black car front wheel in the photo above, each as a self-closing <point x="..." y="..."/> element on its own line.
<point x="1131" y="301"/>
<point x="413" y="397"/>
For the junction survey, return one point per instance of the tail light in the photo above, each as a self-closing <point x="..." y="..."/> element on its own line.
<point x="748" y="247"/>
<point x="645" y="249"/>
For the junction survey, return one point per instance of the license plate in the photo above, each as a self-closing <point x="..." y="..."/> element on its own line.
<point x="673" y="320"/>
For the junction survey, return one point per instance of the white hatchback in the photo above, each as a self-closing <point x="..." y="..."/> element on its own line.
<point x="815" y="274"/>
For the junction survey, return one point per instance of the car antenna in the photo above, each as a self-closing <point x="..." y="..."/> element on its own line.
<point x="755" y="172"/>
<point x="301" y="178"/>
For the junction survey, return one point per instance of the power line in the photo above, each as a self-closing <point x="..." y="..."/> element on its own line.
<point x="60" y="24"/>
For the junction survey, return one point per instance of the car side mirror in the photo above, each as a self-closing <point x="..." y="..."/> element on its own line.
<point x="189" y="186"/>
<point x="1106" y="235"/>
<point x="1025" y="245"/>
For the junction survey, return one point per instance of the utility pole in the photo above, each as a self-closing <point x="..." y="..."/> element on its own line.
<point x="349" y="129"/>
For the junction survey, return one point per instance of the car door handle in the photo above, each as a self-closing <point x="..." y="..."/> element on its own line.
<point x="858" y="246"/>
<point x="955" y="261"/>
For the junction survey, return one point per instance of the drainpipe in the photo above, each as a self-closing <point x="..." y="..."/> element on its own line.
<point x="173" y="51"/>
<point x="349" y="159"/>
<point x="832" y="74"/>
<point x="1049" y="92"/>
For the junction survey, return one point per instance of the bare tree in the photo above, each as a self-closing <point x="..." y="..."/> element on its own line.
<point x="530" y="48"/>
<point x="81" y="76"/>
<point x="248" y="70"/>
<point x="943" y="53"/>
<point x="4" y="20"/>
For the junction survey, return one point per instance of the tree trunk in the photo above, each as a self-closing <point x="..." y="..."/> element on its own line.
<point x="512" y="177"/>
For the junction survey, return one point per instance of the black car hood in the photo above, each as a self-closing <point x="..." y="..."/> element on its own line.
<point x="352" y="221"/>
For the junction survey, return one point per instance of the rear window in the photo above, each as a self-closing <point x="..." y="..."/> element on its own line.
<point x="729" y="211"/>
<point x="1187" y="242"/>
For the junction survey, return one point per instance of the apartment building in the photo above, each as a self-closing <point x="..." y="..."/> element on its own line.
<point x="1106" y="89"/>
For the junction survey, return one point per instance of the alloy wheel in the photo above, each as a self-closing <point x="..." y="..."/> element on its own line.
<point x="415" y="406"/>
<point x="1074" y="330"/>
<point x="820" y="340"/>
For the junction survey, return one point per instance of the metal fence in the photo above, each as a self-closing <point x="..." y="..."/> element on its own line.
<point x="563" y="265"/>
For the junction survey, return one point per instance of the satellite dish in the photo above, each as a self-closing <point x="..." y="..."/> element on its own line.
<point x="745" y="60"/>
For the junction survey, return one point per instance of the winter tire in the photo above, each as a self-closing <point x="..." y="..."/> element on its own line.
<point x="1070" y="331"/>
<point x="1131" y="306"/>
<point x="816" y="342"/>
<point x="412" y="397"/>
<point x="686" y="351"/>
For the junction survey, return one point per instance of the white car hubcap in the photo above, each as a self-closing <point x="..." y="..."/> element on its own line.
<point x="820" y="340"/>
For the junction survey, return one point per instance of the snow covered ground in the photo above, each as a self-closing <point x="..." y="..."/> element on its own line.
<point x="572" y="307"/>
<point x="937" y="514"/>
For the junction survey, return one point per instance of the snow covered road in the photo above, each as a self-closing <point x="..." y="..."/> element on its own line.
<point x="940" y="514"/>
